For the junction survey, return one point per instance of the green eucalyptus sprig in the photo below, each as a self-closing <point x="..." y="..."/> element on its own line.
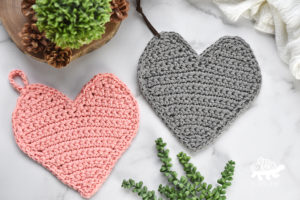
<point x="72" y="23"/>
<point x="189" y="187"/>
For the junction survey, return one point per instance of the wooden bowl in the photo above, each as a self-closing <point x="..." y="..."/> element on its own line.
<point x="13" y="21"/>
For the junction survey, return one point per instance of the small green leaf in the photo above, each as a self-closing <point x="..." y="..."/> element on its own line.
<point x="189" y="187"/>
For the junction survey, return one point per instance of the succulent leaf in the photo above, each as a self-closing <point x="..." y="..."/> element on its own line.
<point x="72" y="23"/>
<point x="189" y="187"/>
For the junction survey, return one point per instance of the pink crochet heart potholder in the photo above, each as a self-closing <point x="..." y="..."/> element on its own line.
<point x="79" y="140"/>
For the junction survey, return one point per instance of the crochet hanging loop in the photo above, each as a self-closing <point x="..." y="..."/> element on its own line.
<point x="149" y="25"/>
<point x="18" y="73"/>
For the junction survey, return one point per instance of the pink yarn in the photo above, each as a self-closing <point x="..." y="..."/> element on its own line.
<point x="79" y="140"/>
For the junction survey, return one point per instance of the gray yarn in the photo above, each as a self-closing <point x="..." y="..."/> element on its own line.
<point x="198" y="96"/>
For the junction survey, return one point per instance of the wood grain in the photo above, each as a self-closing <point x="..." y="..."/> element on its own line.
<point x="13" y="21"/>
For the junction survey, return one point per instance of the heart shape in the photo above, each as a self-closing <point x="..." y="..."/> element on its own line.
<point x="78" y="141"/>
<point x="198" y="96"/>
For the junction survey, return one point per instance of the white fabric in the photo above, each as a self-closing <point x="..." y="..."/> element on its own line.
<point x="279" y="17"/>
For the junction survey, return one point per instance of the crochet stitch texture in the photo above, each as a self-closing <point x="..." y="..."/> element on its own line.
<point x="197" y="96"/>
<point x="79" y="140"/>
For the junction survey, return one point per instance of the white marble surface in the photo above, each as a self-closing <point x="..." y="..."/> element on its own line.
<point x="269" y="129"/>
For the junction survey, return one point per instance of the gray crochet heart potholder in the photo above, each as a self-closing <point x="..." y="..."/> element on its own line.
<point x="198" y="96"/>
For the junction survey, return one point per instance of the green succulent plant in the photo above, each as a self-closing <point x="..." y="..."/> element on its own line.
<point x="72" y="23"/>
<point x="189" y="187"/>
